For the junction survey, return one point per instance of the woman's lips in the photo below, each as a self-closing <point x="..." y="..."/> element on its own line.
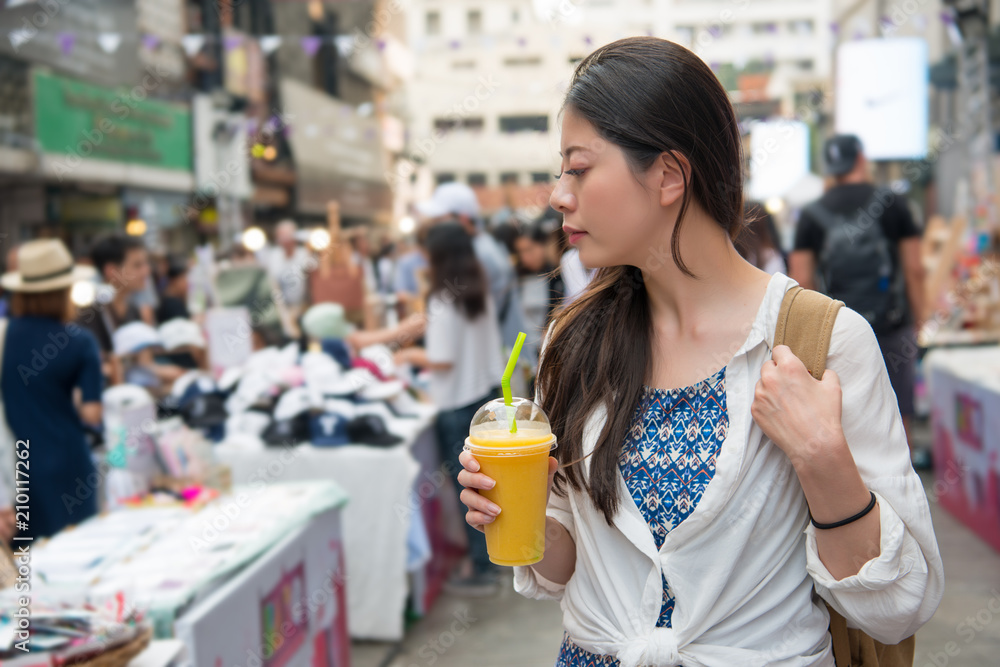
<point x="574" y="234"/>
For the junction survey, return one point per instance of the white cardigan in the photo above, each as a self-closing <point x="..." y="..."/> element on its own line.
<point x="743" y="566"/>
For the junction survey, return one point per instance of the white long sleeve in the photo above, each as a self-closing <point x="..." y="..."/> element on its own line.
<point x="897" y="592"/>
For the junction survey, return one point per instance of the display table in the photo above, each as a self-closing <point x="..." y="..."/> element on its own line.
<point x="286" y="608"/>
<point x="965" y="412"/>
<point x="378" y="524"/>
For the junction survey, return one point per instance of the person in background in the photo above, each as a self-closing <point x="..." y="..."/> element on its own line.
<point x="410" y="265"/>
<point x="362" y="256"/>
<point x="506" y="234"/>
<point x="46" y="357"/>
<point x="242" y="281"/>
<point x="463" y="353"/>
<point x="759" y="242"/>
<point x="10" y="267"/>
<point x="875" y="269"/>
<point x="174" y="296"/>
<point x="540" y="284"/>
<point x="456" y="202"/>
<point x="147" y="298"/>
<point x="123" y="267"/>
<point x="287" y="263"/>
<point x="385" y="266"/>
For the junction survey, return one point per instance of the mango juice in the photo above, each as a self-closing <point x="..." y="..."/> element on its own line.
<point x="519" y="464"/>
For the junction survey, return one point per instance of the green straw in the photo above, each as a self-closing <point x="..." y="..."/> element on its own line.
<point x="508" y="373"/>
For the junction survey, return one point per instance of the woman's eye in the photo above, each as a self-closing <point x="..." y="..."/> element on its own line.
<point x="571" y="172"/>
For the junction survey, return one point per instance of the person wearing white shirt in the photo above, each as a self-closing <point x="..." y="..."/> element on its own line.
<point x="464" y="355"/>
<point x="699" y="466"/>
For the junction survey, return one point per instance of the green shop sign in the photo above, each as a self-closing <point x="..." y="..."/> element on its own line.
<point x="83" y="121"/>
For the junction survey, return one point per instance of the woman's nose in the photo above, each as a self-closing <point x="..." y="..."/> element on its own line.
<point x="561" y="199"/>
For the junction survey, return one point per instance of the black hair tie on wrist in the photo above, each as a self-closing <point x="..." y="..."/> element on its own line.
<point x="851" y="519"/>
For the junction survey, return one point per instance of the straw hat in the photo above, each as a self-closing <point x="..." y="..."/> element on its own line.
<point x="44" y="265"/>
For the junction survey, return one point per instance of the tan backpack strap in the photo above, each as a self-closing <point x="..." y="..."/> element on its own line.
<point x="805" y="324"/>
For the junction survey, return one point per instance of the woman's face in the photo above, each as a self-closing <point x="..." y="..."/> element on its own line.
<point x="610" y="215"/>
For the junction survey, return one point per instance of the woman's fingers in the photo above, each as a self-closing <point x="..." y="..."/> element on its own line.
<point x="478" y="520"/>
<point x="474" y="501"/>
<point x="468" y="461"/>
<point x="475" y="480"/>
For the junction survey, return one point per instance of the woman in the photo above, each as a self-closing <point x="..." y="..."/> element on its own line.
<point x="690" y="453"/>
<point x="463" y="354"/>
<point x="45" y="358"/>
<point x="758" y="244"/>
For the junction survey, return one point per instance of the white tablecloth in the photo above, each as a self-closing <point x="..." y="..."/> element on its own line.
<point x="376" y="521"/>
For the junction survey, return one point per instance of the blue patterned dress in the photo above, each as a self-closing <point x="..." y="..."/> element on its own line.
<point x="667" y="461"/>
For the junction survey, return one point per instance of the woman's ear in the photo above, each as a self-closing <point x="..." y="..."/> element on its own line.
<point x="674" y="172"/>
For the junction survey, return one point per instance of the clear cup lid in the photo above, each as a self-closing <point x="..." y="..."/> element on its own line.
<point x="494" y="417"/>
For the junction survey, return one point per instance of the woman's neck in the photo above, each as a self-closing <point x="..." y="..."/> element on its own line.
<point x="722" y="279"/>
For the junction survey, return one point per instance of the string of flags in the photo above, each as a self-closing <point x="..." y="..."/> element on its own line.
<point x="192" y="44"/>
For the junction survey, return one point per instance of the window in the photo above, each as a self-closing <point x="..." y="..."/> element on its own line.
<point x="763" y="28"/>
<point x="685" y="33"/>
<point x="522" y="61"/>
<point x="515" y="16"/>
<point x="511" y="124"/>
<point x="475" y="21"/>
<point x="444" y="177"/>
<point x="474" y="124"/>
<point x="508" y="177"/>
<point x="800" y="27"/>
<point x="445" y="124"/>
<point x="806" y="64"/>
<point x="433" y="23"/>
<point x="463" y="64"/>
<point x="540" y="177"/>
<point x="476" y="179"/>
<point x="413" y="177"/>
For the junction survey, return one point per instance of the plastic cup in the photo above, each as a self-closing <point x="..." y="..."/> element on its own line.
<point x="519" y="463"/>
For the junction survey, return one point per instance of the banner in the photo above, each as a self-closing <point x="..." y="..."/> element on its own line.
<point x="92" y="122"/>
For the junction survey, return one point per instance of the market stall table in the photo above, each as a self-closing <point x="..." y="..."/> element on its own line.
<point x="384" y="529"/>
<point x="965" y="412"/>
<point x="165" y="560"/>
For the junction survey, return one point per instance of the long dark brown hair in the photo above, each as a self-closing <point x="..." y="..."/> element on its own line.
<point x="648" y="97"/>
<point x="456" y="274"/>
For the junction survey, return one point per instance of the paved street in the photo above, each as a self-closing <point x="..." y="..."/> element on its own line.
<point x="508" y="630"/>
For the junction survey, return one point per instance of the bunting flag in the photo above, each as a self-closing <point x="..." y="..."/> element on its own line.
<point x="230" y="42"/>
<point x="109" y="41"/>
<point x="192" y="44"/>
<point x="310" y="44"/>
<point x="270" y="43"/>
<point x="835" y="27"/>
<point x="588" y="40"/>
<point x="67" y="40"/>
<point x="151" y="42"/>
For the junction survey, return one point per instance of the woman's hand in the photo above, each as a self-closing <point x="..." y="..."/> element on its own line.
<point x="800" y="414"/>
<point x="482" y="511"/>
